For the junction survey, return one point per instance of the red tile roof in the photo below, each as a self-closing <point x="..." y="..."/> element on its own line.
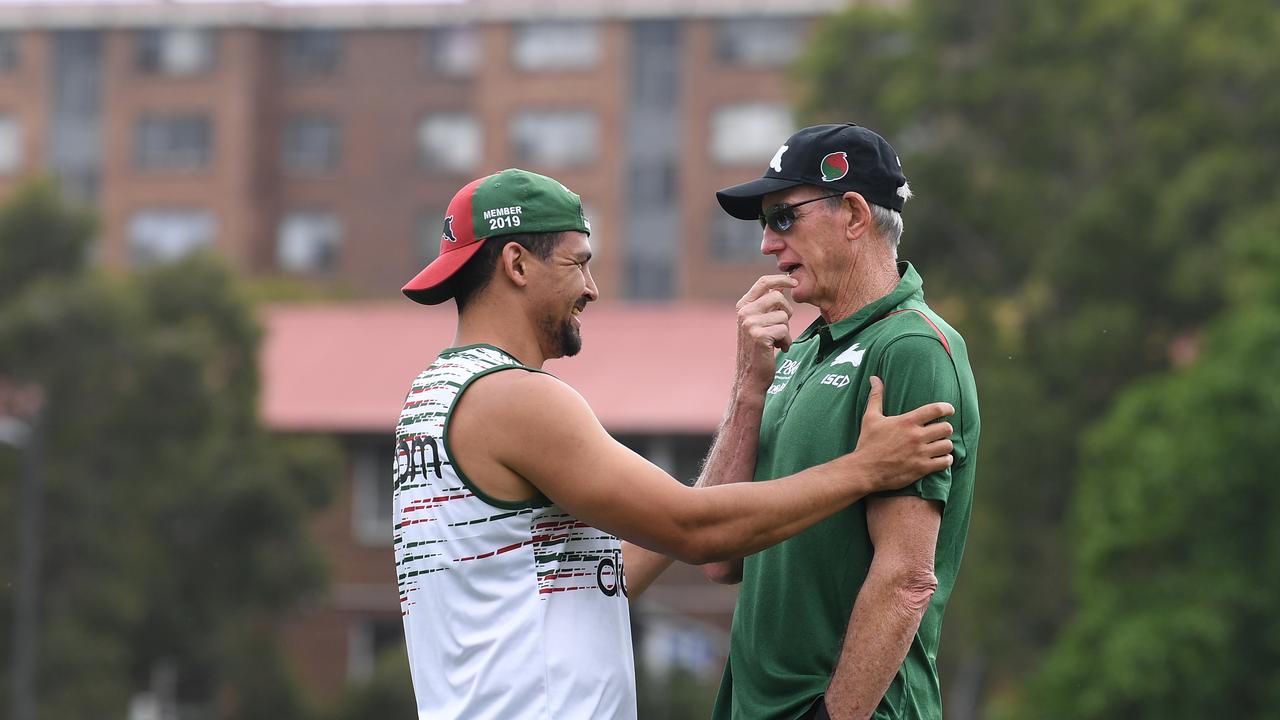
<point x="643" y="368"/>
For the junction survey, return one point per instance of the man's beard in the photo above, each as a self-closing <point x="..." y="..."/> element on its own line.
<point x="563" y="338"/>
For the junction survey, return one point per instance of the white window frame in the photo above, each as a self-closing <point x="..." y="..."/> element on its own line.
<point x="748" y="133"/>
<point x="452" y="51"/>
<point x="318" y="218"/>
<point x="575" y="145"/>
<point x="179" y="51"/>
<point x="300" y="131"/>
<point x="201" y="232"/>
<point x="449" y="143"/>
<point x="543" y="45"/>
<point x="759" y="42"/>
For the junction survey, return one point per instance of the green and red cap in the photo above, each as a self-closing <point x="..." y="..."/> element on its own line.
<point x="507" y="203"/>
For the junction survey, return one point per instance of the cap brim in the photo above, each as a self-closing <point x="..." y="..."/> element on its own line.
<point x="743" y="201"/>
<point x="432" y="286"/>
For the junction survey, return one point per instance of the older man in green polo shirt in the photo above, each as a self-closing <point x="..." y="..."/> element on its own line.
<point x="842" y="621"/>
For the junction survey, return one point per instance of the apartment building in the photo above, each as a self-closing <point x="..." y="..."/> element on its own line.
<point x="323" y="141"/>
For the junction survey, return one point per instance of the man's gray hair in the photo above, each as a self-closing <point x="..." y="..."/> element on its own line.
<point x="887" y="222"/>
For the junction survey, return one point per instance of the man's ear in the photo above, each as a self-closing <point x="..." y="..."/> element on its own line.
<point x="859" y="215"/>
<point x="514" y="263"/>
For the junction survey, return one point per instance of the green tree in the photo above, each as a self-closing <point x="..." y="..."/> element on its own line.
<point x="679" y="693"/>
<point x="1179" y="562"/>
<point x="175" y="524"/>
<point x="388" y="694"/>
<point x="1079" y="167"/>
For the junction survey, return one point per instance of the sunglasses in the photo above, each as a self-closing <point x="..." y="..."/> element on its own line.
<point x="782" y="218"/>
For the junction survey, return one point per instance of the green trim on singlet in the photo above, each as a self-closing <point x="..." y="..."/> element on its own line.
<point x="473" y="346"/>
<point x="537" y="501"/>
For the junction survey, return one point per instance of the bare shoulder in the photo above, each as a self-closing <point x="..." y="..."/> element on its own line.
<point x="523" y="405"/>
<point x="532" y="426"/>
<point x="521" y="395"/>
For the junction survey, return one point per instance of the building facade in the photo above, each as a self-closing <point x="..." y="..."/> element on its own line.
<point x="323" y="142"/>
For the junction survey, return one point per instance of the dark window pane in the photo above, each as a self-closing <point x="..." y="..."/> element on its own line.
<point x="311" y="53"/>
<point x="173" y="142"/>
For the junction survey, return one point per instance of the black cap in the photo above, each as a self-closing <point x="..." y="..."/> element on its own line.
<point x="841" y="157"/>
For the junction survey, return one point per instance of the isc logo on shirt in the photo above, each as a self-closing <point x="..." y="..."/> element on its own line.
<point x="836" y="380"/>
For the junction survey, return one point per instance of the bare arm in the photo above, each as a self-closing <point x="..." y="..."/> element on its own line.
<point x="890" y="604"/>
<point x="539" y="429"/>
<point x="763" y="316"/>
<point x="732" y="459"/>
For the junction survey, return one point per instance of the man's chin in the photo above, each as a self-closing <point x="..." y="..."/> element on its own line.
<point x="570" y="341"/>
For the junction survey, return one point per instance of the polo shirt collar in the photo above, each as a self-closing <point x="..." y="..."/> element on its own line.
<point x="909" y="285"/>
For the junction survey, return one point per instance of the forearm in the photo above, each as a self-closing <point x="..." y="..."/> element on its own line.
<point x="733" y="459"/>
<point x="641" y="567"/>
<point x="886" y="616"/>
<point x="734" y="520"/>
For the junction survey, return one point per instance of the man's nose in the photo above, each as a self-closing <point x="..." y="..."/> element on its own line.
<point x="771" y="243"/>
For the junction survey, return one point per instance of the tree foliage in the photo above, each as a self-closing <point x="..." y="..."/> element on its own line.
<point x="388" y="694"/>
<point x="1179" y="564"/>
<point x="174" y="525"/>
<point x="1082" y="171"/>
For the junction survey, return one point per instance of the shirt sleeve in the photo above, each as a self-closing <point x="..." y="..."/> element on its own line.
<point x="918" y="370"/>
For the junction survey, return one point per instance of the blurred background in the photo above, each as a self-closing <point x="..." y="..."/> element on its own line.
<point x="207" y="210"/>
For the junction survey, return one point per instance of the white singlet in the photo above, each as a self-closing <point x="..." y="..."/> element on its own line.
<point x="511" y="610"/>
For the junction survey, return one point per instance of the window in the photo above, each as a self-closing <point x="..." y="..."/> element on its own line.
<point x="10" y="144"/>
<point x="650" y="277"/>
<point x="309" y="242"/>
<point x="165" y="235"/>
<point x="175" y="51"/>
<point x="655" y="66"/>
<point x="372" y="486"/>
<point x="449" y="143"/>
<point x="74" y="143"/>
<point x="368" y="638"/>
<point x="311" y="53"/>
<point x="556" y="46"/>
<point x="554" y="138"/>
<point x="652" y="182"/>
<point x="172" y="142"/>
<point x="748" y="133"/>
<point x="734" y="240"/>
<point x="759" y="42"/>
<point x="451" y="51"/>
<point x="9" y="55"/>
<point x="428" y="229"/>
<point x="312" y="144"/>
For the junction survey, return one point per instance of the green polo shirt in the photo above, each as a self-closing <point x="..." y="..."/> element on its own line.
<point x="796" y="597"/>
